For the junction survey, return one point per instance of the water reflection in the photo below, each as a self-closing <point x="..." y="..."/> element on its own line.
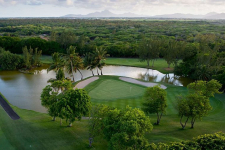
<point x="156" y="76"/>
<point x="23" y="90"/>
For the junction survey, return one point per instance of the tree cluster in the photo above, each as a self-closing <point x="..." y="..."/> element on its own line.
<point x="64" y="102"/>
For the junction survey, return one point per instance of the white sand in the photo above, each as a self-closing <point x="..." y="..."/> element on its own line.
<point x="84" y="83"/>
<point x="148" y="84"/>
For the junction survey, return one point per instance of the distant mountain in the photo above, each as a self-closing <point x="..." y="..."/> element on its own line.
<point x="216" y="16"/>
<point x="179" y="15"/>
<point x="211" y="15"/>
<point x="108" y="14"/>
<point x="103" y="14"/>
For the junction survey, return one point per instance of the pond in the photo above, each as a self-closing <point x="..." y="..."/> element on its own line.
<point x="24" y="90"/>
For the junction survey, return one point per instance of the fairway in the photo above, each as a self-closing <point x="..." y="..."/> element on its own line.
<point x="37" y="131"/>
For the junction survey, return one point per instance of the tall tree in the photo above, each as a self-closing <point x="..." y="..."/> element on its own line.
<point x="172" y="51"/>
<point x="100" y="55"/>
<point x="51" y="95"/>
<point x="27" y="56"/>
<point x="57" y="65"/>
<point x="88" y="62"/>
<point x="149" y="50"/>
<point x="70" y="58"/>
<point x="155" y="102"/>
<point x="36" y="57"/>
<point x="74" y="104"/>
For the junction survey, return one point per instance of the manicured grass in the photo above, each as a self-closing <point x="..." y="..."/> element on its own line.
<point x="37" y="131"/>
<point x="169" y="129"/>
<point x="111" y="91"/>
<point x="160" y="64"/>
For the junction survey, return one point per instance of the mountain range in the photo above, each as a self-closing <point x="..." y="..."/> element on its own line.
<point x="108" y="14"/>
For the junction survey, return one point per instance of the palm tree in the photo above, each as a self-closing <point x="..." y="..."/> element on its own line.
<point x="89" y="62"/>
<point x="100" y="55"/>
<point x="57" y="64"/>
<point x="100" y="66"/>
<point x="70" y="58"/>
<point x="78" y="64"/>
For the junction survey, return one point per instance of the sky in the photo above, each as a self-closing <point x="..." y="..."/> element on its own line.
<point x="57" y="8"/>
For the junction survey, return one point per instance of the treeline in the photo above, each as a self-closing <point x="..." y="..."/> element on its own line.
<point x="119" y="37"/>
<point x="15" y="44"/>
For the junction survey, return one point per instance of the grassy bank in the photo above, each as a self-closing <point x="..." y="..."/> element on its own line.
<point x="37" y="131"/>
<point x="160" y="64"/>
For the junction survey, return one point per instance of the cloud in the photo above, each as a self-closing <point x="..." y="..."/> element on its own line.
<point x="33" y="2"/>
<point x="113" y="3"/>
<point x="1" y="1"/>
<point x="69" y="2"/>
<point x="119" y="5"/>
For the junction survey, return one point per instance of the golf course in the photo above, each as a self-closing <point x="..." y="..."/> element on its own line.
<point x="36" y="130"/>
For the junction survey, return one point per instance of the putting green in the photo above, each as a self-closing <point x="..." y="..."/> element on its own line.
<point x="110" y="89"/>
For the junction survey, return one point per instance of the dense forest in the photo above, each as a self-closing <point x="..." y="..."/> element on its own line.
<point x="199" y="43"/>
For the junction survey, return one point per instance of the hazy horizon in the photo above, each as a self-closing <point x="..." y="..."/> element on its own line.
<point x="57" y="8"/>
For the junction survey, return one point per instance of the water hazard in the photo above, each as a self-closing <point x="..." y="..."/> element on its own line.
<point x="24" y="90"/>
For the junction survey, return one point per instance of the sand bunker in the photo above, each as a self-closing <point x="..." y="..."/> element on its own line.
<point x="148" y="84"/>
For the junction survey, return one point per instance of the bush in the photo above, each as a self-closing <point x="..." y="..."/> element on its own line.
<point x="10" y="61"/>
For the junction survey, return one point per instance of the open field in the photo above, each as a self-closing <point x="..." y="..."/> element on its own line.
<point x="160" y="64"/>
<point x="46" y="59"/>
<point x="37" y="131"/>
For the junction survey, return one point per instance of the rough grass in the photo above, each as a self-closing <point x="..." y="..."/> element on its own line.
<point x="37" y="131"/>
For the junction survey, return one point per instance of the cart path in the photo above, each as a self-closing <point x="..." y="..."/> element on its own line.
<point x="8" y="109"/>
<point x="84" y="83"/>
<point x="147" y="84"/>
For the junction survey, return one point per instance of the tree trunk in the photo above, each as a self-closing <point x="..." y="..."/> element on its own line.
<point x="72" y="70"/>
<point x="148" y="62"/>
<point x="70" y="124"/>
<point x="97" y="72"/>
<point x="153" y="63"/>
<point x="158" y="118"/>
<point x="53" y="119"/>
<point x="183" y="125"/>
<point x="90" y="142"/>
<point x="192" y="123"/>
<point x="175" y="63"/>
<point x="101" y="72"/>
<point x="80" y="74"/>
<point x="92" y="72"/>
